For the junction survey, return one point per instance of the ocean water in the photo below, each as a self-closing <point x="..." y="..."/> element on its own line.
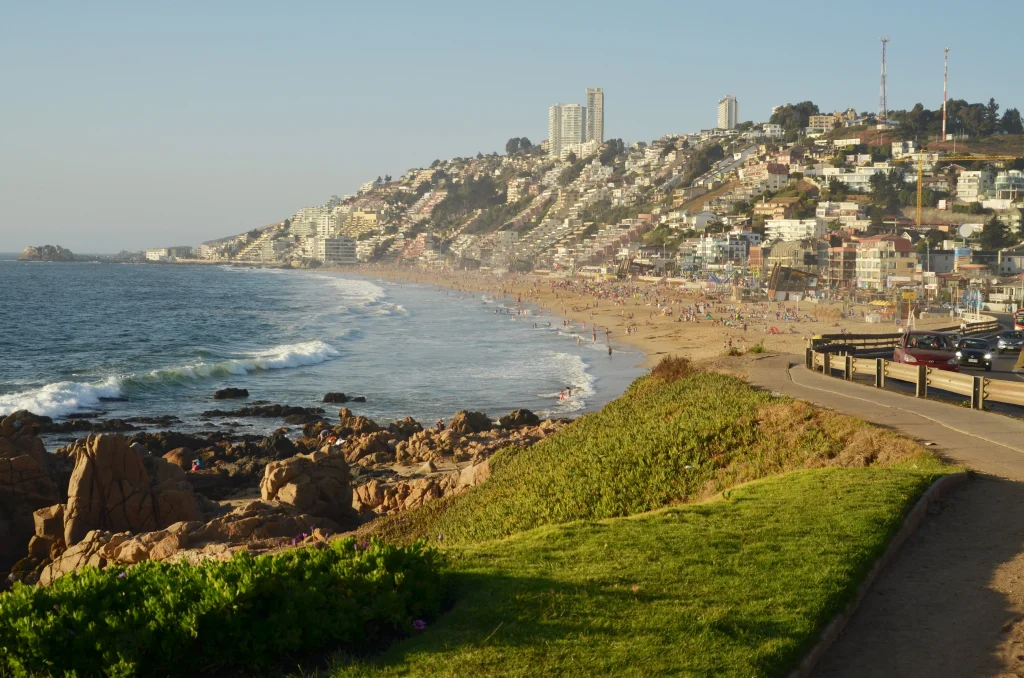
<point x="164" y="338"/>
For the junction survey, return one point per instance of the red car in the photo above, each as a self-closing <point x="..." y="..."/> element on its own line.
<point x="934" y="349"/>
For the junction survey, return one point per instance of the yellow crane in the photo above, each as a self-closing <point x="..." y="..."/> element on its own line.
<point x="954" y="158"/>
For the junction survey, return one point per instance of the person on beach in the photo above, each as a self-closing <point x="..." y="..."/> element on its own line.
<point x="439" y="426"/>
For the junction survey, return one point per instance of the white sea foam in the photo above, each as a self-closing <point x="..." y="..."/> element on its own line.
<point x="62" y="398"/>
<point x="572" y="369"/>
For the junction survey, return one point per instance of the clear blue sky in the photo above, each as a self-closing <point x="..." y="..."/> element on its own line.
<point x="142" y="124"/>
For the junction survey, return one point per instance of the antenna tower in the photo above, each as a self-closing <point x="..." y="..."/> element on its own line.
<point x="883" y="100"/>
<point x="945" y="78"/>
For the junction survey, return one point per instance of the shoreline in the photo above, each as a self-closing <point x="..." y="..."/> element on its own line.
<point x="664" y="321"/>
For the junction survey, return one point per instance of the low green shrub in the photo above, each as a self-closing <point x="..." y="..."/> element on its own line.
<point x="757" y="348"/>
<point x="662" y="442"/>
<point x="248" y="612"/>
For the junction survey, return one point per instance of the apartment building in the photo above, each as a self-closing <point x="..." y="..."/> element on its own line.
<point x="728" y="112"/>
<point x="337" y="250"/>
<point x="974" y="185"/>
<point x="842" y="267"/>
<point x="1009" y="185"/>
<point x="595" y="114"/>
<point x="846" y="213"/>
<point x="794" y="229"/>
<point x="884" y="259"/>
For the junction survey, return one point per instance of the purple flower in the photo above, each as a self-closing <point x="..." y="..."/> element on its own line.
<point x="122" y="575"/>
<point x="56" y="608"/>
<point x="440" y="537"/>
<point x="419" y="624"/>
<point x="295" y="541"/>
<point x="304" y="535"/>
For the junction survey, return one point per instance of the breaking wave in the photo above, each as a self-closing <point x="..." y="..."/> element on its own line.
<point x="62" y="398"/>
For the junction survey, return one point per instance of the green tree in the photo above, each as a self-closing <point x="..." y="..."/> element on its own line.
<point x="512" y="146"/>
<point x="571" y="158"/>
<point x="1011" y="122"/>
<point x="525" y="144"/>
<point x="995" y="235"/>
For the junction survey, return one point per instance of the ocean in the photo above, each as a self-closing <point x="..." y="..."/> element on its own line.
<point x="120" y="341"/>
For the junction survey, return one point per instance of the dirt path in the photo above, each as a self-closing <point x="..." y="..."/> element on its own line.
<point x="952" y="602"/>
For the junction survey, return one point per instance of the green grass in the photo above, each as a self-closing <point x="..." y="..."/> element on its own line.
<point x="737" y="587"/>
<point x="660" y="443"/>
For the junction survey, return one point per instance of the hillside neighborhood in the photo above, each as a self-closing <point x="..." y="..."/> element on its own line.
<point x="834" y="195"/>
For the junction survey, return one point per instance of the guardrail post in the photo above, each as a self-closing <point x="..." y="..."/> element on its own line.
<point x="826" y="364"/>
<point x="879" y="372"/>
<point x="978" y="394"/>
<point x="922" y="381"/>
<point x="849" y="368"/>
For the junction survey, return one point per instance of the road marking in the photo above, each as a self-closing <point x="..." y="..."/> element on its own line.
<point x="893" y="407"/>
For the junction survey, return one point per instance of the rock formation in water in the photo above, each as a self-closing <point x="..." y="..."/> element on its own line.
<point x="46" y="253"/>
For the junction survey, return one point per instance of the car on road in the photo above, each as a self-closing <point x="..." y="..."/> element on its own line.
<point x="1011" y="340"/>
<point x="932" y="349"/>
<point x="974" y="353"/>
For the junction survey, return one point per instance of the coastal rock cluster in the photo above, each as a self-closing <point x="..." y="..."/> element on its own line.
<point x="46" y="253"/>
<point x="111" y="500"/>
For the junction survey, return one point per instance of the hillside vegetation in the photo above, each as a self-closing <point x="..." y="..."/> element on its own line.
<point x="661" y="443"/>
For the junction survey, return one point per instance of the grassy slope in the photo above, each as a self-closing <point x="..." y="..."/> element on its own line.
<point x="656" y="445"/>
<point x="736" y="587"/>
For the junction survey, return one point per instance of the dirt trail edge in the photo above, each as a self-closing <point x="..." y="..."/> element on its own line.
<point x="952" y="601"/>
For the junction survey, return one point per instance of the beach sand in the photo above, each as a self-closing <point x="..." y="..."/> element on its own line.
<point x="655" y="309"/>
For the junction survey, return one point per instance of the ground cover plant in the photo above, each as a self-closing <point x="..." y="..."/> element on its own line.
<point x="248" y="612"/>
<point x="678" y="435"/>
<point x="740" y="586"/>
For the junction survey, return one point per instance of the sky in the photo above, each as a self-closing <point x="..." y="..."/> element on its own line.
<point x="126" y="125"/>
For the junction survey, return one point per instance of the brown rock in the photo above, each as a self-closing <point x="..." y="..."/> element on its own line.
<point x="27" y="483"/>
<point x="181" y="457"/>
<point x="474" y="475"/>
<point x="359" y="425"/>
<point x="49" y="521"/>
<point x="465" y="422"/>
<point x="322" y="488"/>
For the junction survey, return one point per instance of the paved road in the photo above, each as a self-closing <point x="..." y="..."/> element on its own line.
<point x="952" y="602"/>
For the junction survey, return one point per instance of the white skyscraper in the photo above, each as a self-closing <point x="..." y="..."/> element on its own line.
<point x="555" y="130"/>
<point x="595" y="114"/>
<point x="574" y="124"/>
<point x="728" y="112"/>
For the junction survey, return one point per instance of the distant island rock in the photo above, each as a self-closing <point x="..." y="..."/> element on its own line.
<point x="46" y="253"/>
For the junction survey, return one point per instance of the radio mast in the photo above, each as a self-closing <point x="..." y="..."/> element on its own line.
<point x="945" y="78"/>
<point x="883" y="100"/>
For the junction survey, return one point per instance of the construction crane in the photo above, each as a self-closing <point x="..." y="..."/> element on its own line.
<point x="953" y="158"/>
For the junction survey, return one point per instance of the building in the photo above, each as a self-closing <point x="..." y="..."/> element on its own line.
<point x="728" y="112"/>
<point x="846" y="213"/>
<point x="794" y="229"/>
<point x="822" y="122"/>
<point x="555" y="130"/>
<point x="337" y="250"/>
<point x="157" y="254"/>
<point x="857" y="179"/>
<point x="773" y="176"/>
<point x="271" y="250"/>
<point x="884" y="260"/>
<point x="595" y="114"/>
<point x="974" y="185"/>
<point x="567" y="124"/>
<point x="773" y="131"/>
<point x="842" y="267"/>
<point x="1009" y="185"/>
<point x="809" y="255"/>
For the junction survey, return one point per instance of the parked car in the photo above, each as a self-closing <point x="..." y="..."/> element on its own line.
<point x="934" y="349"/>
<point x="974" y="353"/>
<point x="1011" y="340"/>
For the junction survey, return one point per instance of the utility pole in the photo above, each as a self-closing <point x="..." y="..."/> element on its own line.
<point x="945" y="78"/>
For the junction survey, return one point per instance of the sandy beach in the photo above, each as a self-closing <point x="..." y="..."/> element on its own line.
<point x="657" y="318"/>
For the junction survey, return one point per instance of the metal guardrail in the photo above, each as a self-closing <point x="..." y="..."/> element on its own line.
<point x="979" y="389"/>
<point x="876" y="341"/>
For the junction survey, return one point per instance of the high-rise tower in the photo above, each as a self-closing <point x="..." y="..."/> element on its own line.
<point x="945" y="77"/>
<point x="595" y="114"/>
<point x="728" y="112"/>
<point x="883" y="92"/>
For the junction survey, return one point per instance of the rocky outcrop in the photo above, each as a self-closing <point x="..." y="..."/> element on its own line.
<point x="230" y="393"/>
<point x="115" y="488"/>
<point x="465" y="422"/>
<point x="517" y="419"/>
<point x="335" y="398"/>
<point x="371" y="448"/>
<point x="319" y="484"/>
<point x="382" y="497"/>
<point x="46" y="253"/>
<point x="356" y="425"/>
<point x="265" y="411"/>
<point x="29" y="480"/>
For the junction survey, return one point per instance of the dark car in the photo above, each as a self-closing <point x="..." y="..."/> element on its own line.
<point x="1011" y="340"/>
<point x="933" y="349"/>
<point x="974" y="353"/>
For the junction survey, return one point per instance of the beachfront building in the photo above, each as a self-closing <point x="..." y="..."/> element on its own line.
<point x="794" y="229"/>
<point x="884" y="260"/>
<point x="157" y="254"/>
<point x="337" y="250"/>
